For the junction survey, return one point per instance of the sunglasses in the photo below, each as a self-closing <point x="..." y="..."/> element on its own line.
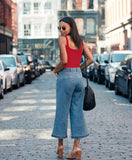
<point x="63" y="28"/>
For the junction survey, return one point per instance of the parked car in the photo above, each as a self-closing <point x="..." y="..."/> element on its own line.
<point x="15" y="67"/>
<point x="7" y="78"/>
<point x="42" y="68"/>
<point x="38" y="66"/>
<point x="1" y="88"/>
<point x="50" y="65"/>
<point x="91" y="70"/>
<point x="33" y="63"/>
<point x="123" y="78"/>
<point x="99" y="68"/>
<point x="28" y="69"/>
<point x="114" y="60"/>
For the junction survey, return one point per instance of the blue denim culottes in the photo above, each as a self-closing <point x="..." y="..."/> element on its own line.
<point x="69" y="100"/>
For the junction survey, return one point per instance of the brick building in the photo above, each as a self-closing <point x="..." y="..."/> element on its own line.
<point x="37" y="28"/>
<point x="6" y="33"/>
<point x="14" y="26"/>
<point x="118" y="24"/>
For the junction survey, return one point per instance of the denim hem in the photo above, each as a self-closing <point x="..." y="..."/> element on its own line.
<point x="78" y="137"/>
<point x="60" y="137"/>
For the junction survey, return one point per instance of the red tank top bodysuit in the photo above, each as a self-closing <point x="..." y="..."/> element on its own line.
<point x="73" y="55"/>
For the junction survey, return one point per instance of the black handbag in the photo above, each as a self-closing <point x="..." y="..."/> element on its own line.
<point x="89" y="98"/>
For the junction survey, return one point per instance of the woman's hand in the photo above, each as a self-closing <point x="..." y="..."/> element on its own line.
<point x="55" y="72"/>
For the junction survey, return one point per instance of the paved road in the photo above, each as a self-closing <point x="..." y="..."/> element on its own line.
<point x="26" y="121"/>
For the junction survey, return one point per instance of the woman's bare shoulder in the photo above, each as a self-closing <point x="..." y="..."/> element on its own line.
<point x="62" y="38"/>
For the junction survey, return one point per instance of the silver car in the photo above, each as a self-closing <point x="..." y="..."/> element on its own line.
<point x="6" y="76"/>
<point x="16" y="69"/>
<point x="114" y="60"/>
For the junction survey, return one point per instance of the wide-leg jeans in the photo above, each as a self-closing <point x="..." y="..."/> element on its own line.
<point x="69" y="101"/>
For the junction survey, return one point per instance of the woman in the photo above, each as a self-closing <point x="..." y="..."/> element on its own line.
<point x="69" y="87"/>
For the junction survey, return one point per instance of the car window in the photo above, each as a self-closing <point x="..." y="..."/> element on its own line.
<point x="95" y="56"/>
<point x="118" y="57"/>
<point x="103" y="57"/>
<point x="23" y="59"/>
<point x="0" y="67"/>
<point x="8" y="61"/>
<point x="129" y="63"/>
<point x="123" y="62"/>
<point x="47" y="63"/>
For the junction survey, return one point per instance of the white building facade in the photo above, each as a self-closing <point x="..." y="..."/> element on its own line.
<point x="37" y="26"/>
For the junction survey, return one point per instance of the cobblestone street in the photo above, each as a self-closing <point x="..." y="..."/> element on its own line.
<point x="27" y="116"/>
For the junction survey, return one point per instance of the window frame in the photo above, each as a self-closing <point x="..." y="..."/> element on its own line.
<point x="27" y="9"/>
<point x="27" y="31"/>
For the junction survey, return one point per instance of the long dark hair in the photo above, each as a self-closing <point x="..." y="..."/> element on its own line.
<point x="74" y="31"/>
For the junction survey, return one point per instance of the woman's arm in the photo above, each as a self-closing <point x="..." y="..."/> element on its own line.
<point x="88" y="55"/>
<point x="63" y="54"/>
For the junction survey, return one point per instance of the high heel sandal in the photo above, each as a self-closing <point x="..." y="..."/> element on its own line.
<point x="60" y="151"/>
<point x="76" y="154"/>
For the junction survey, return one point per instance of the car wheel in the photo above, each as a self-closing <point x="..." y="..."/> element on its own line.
<point x="117" y="92"/>
<point x="110" y="86"/>
<point x="98" y="80"/>
<point x="5" y="90"/>
<point x="2" y="92"/>
<point x="23" y="83"/>
<point x="130" y="92"/>
<point x="91" y="78"/>
<point x="106" y="83"/>
<point x="11" y="87"/>
<point x="29" y="80"/>
<point x="94" y="78"/>
<point x="18" y="83"/>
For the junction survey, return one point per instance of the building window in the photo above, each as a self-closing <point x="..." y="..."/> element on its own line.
<point x="90" y="4"/>
<point x="47" y="5"/>
<point x="77" y="4"/>
<point x="103" y="13"/>
<point x="36" y="7"/>
<point x="90" y="26"/>
<point x="63" y="4"/>
<point x="48" y="28"/>
<point x="27" y="8"/>
<point x="37" y="29"/>
<point x="27" y="29"/>
<point x="38" y="45"/>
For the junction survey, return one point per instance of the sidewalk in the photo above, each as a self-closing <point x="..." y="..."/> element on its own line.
<point x="26" y="122"/>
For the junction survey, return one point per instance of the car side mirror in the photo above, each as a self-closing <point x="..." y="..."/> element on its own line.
<point x="7" y="69"/>
<point x="124" y="67"/>
<point x="106" y="61"/>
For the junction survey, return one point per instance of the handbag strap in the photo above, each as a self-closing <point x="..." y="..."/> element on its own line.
<point x="86" y="74"/>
